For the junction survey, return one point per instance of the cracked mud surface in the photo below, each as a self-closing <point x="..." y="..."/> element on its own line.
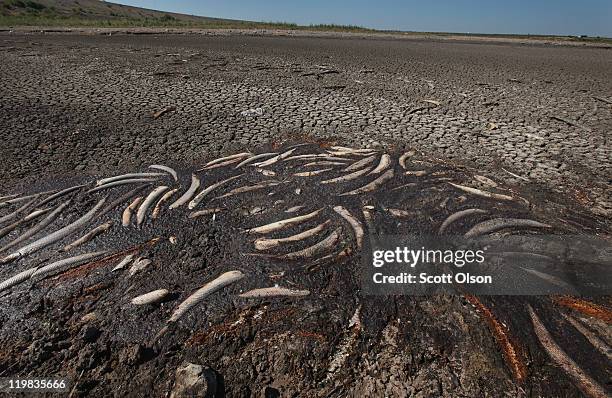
<point x="76" y="106"/>
<point x="84" y="103"/>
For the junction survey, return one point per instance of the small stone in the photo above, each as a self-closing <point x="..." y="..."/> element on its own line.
<point x="193" y="380"/>
<point x="89" y="317"/>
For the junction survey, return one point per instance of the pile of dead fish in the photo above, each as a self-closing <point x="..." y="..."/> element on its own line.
<point x="138" y="199"/>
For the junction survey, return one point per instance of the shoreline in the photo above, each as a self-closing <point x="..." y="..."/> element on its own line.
<point x="409" y="36"/>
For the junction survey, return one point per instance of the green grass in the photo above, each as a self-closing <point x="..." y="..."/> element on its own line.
<point x="48" y="19"/>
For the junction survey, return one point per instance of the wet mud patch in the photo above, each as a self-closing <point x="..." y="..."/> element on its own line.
<point x="293" y="320"/>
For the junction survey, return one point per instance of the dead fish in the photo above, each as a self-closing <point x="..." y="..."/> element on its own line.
<point x="186" y="197"/>
<point x="89" y="236"/>
<point x="416" y="173"/>
<point x="334" y="258"/>
<point x="334" y="159"/>
<point x="311" y="251"/>
<point x="602" y="99"/>
<point x="129" y="176"/>
<point x="57" y="235"/>
<point x="437" y="180"/>
<point x="347" y="177"/>
<point x="354" y="222"/>
<point x="122" y="182"/>
<point x="205" y="212"/>
<point x="60" y="194"/>
<point x="485" y="180"/>
<point x="122" y="264"/>
<point x="311" y="173"/>
<point x="254" y="158"/>
<point x="341" y="150"/>
<point x="16" y="279"/>
<point x="167" y="169"/>
<point x="458" y="216"/>
<point x="12" y="196"/>
<point x="345" y="347"/>
<point x="324" y="163"/>
<point x="586" y="384"/>
<point x="399" y="213"/>
<point x="146" y="204"/>
<point x="206" y="290"/>
<point x="161" y="201"/>
<point x="249" y="188"/>
<point x="572" y="123"/>
<point x="267" y="173"/>
<point x="409" y="185"/>
<point x="37" y="228"/>
<point x="423" y="163"/>
<point x="317" y="157"/>
<point x="72" y="261"/>
<point x="516" y="175"/>
<point x="549" y="278"/>
<point x="385" y="162"/>
<point x="353" y="150"/>
<point x="484" y="194"/>
<point x="129" y="195"/>
<point x="9" y="228"/>
<point x="595" y="341"/>
<point x="265" y="243"/>
<point x="150" y="298"/>
<point x="126" y="217"/>
<point x="276" y="158"/>
<point x="235" y="158"/>
<point x="208" y="190"/>
<point x="372" y="186"/>
<point x="275" y="226"/>
<point x="361" y="163"/>
<point x="496" y="224"/>
<point x="274" y="292"/>
<point x="23" y="198"/>
<point x="222" y="164"/>
<point x="163" y="111"/>
<point x="254" y="210"/>
<point x="404" y="157"/>
<point x="342" y="154"/>
<point x="138" y="265"/>
<point x="308" y="156"/>
<point x="368" y="216"/>
<point x="17" y="212"/>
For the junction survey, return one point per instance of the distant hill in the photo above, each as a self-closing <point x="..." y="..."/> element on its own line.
<point x="97" y="13"/>
<point x="93" y="10"/>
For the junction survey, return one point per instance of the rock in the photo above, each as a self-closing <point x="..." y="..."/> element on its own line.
<point x="252" y="112"/>
<point x="193" y="381"/>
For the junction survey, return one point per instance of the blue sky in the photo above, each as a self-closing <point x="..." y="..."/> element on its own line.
<point x="591" y="17"/>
